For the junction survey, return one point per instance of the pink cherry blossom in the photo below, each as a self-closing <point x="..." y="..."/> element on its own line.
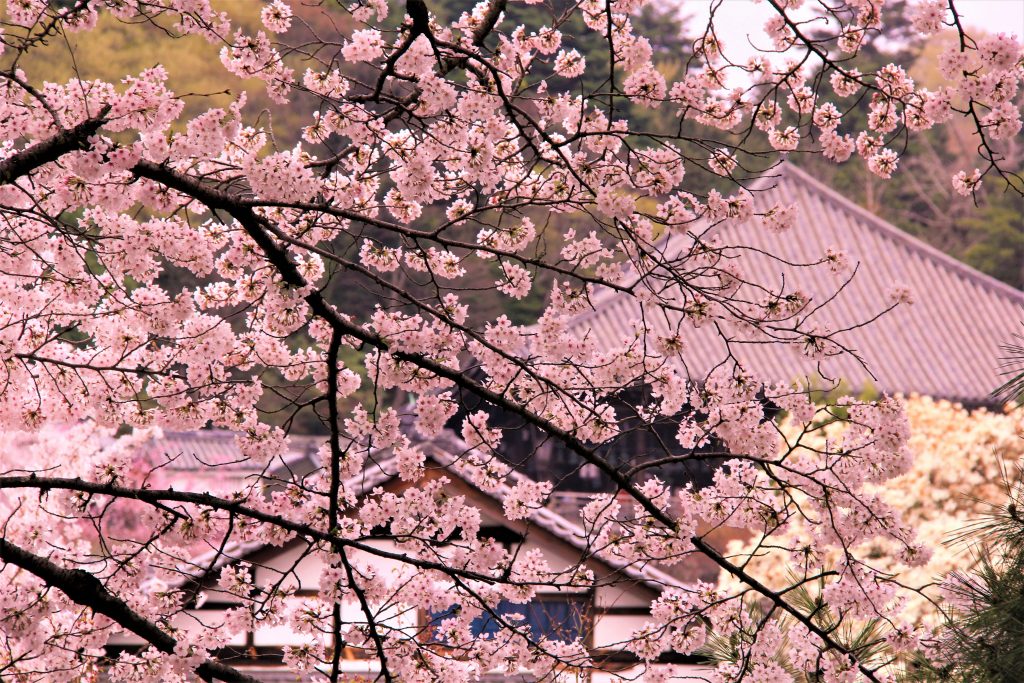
<point x="374" y="290"/>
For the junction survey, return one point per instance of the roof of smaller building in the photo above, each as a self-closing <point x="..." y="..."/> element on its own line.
<point x="946" y="344"/>
<point x="213" y="450"/>
<point x="448" y="451"/>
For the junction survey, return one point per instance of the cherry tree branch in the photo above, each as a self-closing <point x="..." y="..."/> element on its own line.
<point x="51" y="149"/>
<point x="86" y="590"/>
<point x="278" y="256"/>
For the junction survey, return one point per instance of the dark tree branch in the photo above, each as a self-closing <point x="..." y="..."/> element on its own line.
<point x="86" y="590"/>
<point x="31" y="158"/>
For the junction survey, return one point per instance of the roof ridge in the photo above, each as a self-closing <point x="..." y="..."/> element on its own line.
<point x="789" y="170"/>
<point x="440" y="448"/>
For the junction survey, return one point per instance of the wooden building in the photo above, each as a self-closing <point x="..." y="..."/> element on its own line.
<point x="603" y="616"/>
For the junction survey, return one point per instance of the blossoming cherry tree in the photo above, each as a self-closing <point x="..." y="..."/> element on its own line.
<point x="168" y="271"/>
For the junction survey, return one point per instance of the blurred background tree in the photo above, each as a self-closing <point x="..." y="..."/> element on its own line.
<point x="918" y="198"/>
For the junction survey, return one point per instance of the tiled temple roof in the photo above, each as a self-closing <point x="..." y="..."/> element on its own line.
<point x="947" y="344"/>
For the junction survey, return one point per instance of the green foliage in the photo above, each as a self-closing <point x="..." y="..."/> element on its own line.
<point x="114" y="49"/>
<point x="865" y="638"/>
<point x="919" y="197"/>
<point x="983" y="639"/>
<point x="1012" y="366"/>
<point x="998" y="229"/>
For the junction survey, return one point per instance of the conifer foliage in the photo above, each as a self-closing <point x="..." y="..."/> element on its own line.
<point x="983" y="638"/>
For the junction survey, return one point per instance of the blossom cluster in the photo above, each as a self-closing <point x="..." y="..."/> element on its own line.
<point x="936" y="499"/>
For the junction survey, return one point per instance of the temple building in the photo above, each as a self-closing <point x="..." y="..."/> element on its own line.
<point x="945" y="342"/>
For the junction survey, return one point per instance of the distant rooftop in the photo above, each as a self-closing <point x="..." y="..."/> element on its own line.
<point x="947" y="344"/>
<point x="200" y="449"/>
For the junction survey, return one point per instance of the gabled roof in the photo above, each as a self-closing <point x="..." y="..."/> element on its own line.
<point x="202" y="449"/>
<point x="944" y="345"/>
<point x="448" y="451"/>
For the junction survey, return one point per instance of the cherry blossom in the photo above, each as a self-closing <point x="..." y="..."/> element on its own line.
<point x="433" y="160"/>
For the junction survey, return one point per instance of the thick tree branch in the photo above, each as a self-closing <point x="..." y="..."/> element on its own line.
<point x="86" y="590"/>
<point x="160" y="497"/>
<point x="47" y="151"/>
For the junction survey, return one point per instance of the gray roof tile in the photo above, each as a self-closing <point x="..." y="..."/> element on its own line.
<point x="947" y="344"/>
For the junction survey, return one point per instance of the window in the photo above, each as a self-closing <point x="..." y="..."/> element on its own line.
<point x="556" y="617"/>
